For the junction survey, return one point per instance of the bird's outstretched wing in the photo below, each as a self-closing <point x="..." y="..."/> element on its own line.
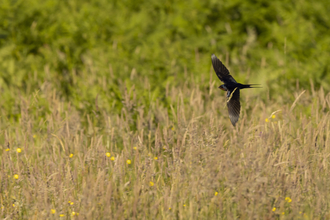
<point x="221" y="71"/>
<point x="233" y="104"/>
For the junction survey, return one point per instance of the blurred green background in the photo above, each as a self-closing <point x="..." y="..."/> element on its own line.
<point x="90" y="52"/>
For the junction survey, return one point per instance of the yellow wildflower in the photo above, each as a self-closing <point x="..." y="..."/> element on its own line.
<point x="274" y="209"/>
<point x="34" y="136"/>
<point x="53" y="211"/>
<point x="288" y="199"/>
<point x="135" y="148"/>
<point x="169" y="208"/>
<point x="266" y="120"/>
<point x="108" y="154"/>
<point x="273" y="116"/>
<point x="156" y="158"/>
<point x="73" y="213"/>
<point x="16" y="176"/>
<point x="7" y="149"/>
<point x="216" y="193"/>
<point x="128" y="162"/>
<point x="71" y="155"/>
<point x="19" y="150"/>
<point x="62" y="215"/>
<point x="151" y="183"/>
<point x="112" y="158"/>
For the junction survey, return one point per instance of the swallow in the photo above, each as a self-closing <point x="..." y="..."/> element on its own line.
<point x="232" y="87"/>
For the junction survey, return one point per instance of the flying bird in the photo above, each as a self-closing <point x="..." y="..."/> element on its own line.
<point x="232" y="87"/>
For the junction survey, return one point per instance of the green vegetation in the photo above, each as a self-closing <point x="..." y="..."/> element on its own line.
<point x="80" y="79"/>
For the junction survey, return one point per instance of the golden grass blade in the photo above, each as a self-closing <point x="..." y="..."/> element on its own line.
<point x="231" y="95"/>
<point x="60" y="142"/>
<point x="295" y="101"/>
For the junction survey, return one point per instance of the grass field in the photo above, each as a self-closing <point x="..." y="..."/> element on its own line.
<point x="198" y="167"/>
<point x="110" y="110"/>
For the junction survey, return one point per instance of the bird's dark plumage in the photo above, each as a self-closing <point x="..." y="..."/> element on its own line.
<point x="221" y="71"/>
<point x="233" y="105"/>
<point x="231" y="86"/>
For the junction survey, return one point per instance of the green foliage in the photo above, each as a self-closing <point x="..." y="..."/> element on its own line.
<point x="77" y="45"/>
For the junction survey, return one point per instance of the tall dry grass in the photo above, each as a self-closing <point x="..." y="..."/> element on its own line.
<point x="187" y="161"/>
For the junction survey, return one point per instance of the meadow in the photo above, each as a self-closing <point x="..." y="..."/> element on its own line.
<point x="110" y="110"/>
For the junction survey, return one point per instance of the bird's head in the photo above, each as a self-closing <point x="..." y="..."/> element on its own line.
<point x="223" y="87"/>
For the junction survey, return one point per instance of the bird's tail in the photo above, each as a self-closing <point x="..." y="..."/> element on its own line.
<point x="250" y="86"/>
